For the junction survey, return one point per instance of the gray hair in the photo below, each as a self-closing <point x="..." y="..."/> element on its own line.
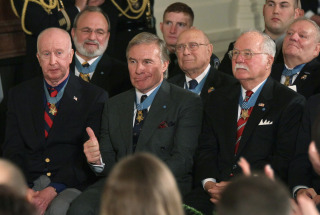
<point x="315" y="25"/>
<point x="91" y="9"/>
<point x="268" y="45"/>
<point x="148" y="38"/>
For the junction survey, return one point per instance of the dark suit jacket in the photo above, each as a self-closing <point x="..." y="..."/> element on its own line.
<point x="226" y="64"/>
<point x="111" y="75"/>
<point x="308" y="80"/>
<point x="310" y="5"/>
<point x="175" y="145"/>
<point x="301" y="171"/>
<point x="215" y="79"/>
<point x="25" y="144"/>
<point x="260" y="144"/>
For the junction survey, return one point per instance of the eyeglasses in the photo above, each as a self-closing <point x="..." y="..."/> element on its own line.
<point x="192" y="46"/>
<point x="87" y="31"/>
<point x="59" y="54"/>
<point x="247" y="53"/>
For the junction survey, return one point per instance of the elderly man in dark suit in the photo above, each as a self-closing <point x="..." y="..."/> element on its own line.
<point x="90" y="34"/>
<point x="278" y="15"/>
<point x="46" y="123"/>
<point x="257" y="119"/>
<point x="193" y="50"/>
<point x="301" y="68"/>
<point x="155" y="117"/>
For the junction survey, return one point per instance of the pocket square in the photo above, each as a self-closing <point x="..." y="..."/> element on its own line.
<point x="165" y="124"/>
<point x="265" y="122"/>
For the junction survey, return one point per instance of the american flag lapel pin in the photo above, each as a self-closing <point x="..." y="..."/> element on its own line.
<point x="75" y="98"/>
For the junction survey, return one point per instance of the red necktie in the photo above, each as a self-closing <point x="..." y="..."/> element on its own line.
<point x="243" y="120"/>
<point x="49" y="113"/>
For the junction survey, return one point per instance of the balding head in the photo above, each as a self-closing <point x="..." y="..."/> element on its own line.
<point x="193" y="51"/>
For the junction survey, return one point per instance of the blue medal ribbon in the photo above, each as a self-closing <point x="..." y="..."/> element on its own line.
<point x="54" y="100"/>
<point x="89" y="69"/>
<point x="148" y="101"/>
<point x="199" y="87"/>
<point x="291" y="72"/>
<point x="252" y="101"/>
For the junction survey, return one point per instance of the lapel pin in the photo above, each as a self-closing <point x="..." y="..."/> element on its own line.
<point x="263" y="109"/>
<point x="210" y="89"/>
<point x="75" y="98"/>
<point x="102" y="73"/>
<point x="261" y="104"/>
<point x="164" y="106"/>
<point x="304" y="77"/>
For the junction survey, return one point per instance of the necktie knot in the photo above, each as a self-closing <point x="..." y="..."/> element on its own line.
<point x="248" y="95"/>
<point x="85" y="64"/>
<point x="53" y="92"/>
<point x="193" y="84"/>
<point x="143" y="97"/>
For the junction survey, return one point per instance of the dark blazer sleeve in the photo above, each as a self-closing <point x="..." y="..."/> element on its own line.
<point x="301" y="171"/>
<point x="226" y="64"/>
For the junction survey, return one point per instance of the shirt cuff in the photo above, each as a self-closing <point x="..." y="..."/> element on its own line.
<point x="296" y="188"/>
<point x="98" y="168"/>
<point x="206" y="180"/>
<point x="58" y="187"/>
<point x="309" y="14"/>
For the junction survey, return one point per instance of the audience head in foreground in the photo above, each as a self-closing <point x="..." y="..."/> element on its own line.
<point x="251" y="195"/>
<point x="141" y="184"/>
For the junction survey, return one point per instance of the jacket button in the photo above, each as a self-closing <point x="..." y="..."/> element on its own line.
<point x="47" y="160"/>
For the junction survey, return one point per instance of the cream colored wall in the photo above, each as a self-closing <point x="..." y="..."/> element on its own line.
<point x="222" y="20"/>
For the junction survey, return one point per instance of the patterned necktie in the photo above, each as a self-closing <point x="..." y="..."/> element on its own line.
<point x="193" y="84"/>
<point x="138" y="123"/>
<point x="50" y="112"/>
<point x="245" y="113"/>
<point x="85" y="77"/>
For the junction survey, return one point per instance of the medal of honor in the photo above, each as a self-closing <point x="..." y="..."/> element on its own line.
<point x="140" y="116"/>
<point x="244" y="114"/>
<point x="53" y="109"/>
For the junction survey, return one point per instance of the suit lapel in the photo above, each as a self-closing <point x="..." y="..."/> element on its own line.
<point x="37" y="101"/>
<point x="158" y="110"/>
<point x="261" y="108"/>
<point x="100" y="74"/>
<point x="229" y="109"/>
<point x="126" y="111"/>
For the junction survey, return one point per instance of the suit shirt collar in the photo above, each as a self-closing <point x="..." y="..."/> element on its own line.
<point x="200" y="77"/>
<point x="76" y="72"/>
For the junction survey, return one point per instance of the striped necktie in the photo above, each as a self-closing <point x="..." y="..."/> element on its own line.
<point x="245" y="114"/>
<point x="50" y="112"/>
<point x="138" y="123"/>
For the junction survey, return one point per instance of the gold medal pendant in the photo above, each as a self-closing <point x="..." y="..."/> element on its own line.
<point x="244" y="113"/>
<point x="53" y="109"/>
<point x="140" y="116"/>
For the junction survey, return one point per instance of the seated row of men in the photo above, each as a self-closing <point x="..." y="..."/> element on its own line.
<point x="63" y="116"/>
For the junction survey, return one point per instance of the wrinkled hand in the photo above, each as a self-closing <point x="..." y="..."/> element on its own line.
<point x="310" y="193"/>
<point x="306" y="206"/>
<point x="95" y="2"/>
<point x="215" y="190"/>
<point x="41" y="199"/>
<point x="91" y="148"/>
<point x="81" y="4"/>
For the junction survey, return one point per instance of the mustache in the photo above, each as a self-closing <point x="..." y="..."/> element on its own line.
<point x="240" y="66"/>
<point x="93" y="41"/>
